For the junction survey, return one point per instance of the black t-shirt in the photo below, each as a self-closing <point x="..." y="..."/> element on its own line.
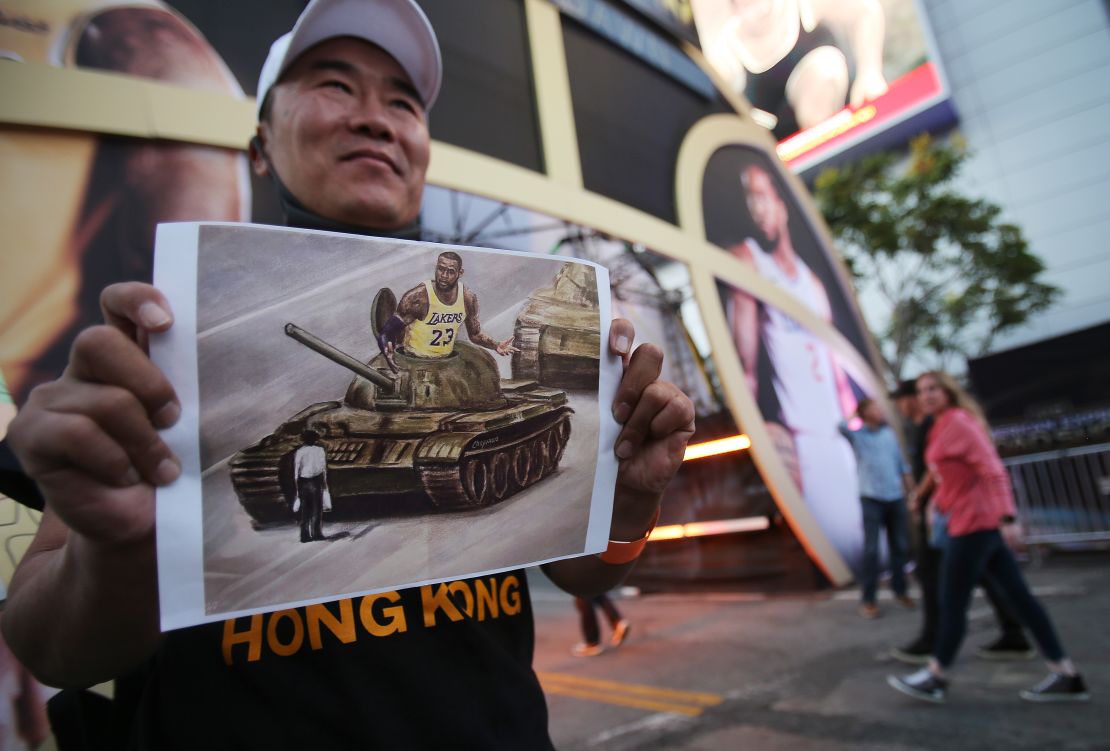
<point x="921" y="438"/>
<point x="767" y="90"/>
<point x="440" y="666"/>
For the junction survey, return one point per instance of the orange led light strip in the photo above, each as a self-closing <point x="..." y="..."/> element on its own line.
<point x="719" y="446"/>
<point x="718" y="527"/>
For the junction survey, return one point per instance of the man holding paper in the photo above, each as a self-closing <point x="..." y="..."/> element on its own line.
<point x="342" y="120"/>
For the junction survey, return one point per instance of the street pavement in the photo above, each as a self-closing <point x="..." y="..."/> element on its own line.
<point x="799" y="673"/>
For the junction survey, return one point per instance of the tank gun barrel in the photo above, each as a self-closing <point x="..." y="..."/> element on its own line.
<point x="339" y="357"/>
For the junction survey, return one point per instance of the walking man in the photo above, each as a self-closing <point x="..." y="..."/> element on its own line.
<point x="884" y="479"/>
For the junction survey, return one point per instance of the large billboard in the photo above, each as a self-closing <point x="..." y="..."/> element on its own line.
<point x="676" y="16"/>
<point x="82" y="206"/>
<point x="123" y="114"/>
<point x="800" y="386"/>
<point x="826" y="75"/>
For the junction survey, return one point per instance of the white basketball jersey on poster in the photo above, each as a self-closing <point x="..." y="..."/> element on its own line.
<point x="805" y="383"/>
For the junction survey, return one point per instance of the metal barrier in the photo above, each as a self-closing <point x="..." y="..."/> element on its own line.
<point x="1063" y="496"/>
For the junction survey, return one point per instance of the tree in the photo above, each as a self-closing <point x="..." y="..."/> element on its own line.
<point x="950" y="273"/>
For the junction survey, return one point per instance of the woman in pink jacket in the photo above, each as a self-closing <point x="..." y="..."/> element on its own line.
<point x="973" y="493"/>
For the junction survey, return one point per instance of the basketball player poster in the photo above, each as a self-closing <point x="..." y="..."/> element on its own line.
<point x="800" y="386"/>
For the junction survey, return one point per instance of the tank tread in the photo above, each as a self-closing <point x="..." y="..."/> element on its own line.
<point x="249" y="481"/>
<point x="266" y="508"/>
<point x="256" y="476"/>
<point x="482" y="478"/>
<point x="257" y="487"/>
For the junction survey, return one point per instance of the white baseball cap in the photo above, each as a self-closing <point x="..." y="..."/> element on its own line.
<point x="397" y="26"/>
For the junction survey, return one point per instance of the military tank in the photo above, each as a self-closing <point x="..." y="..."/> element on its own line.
<point x="449" y="430"/>
<point x="558" y="331"/>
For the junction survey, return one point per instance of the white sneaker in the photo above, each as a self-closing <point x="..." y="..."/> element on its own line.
<point x="921" y="685"/>
<point x="582" y="649"/>
<point x="620" y="632"/>
<point x="1058" y="687"/>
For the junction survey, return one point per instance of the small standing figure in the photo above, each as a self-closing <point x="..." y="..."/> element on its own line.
<point x="310" y="469"/>
<point x="591" y="630"/>
<point x="884" y="478"/>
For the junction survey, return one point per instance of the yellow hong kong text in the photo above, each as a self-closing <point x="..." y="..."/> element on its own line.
<point x="286" y="632"/>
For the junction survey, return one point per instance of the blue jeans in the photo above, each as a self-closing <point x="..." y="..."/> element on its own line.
<point x="927" y="571"/>
<point x="877" y="515"/>
<point x="965" y="559"/>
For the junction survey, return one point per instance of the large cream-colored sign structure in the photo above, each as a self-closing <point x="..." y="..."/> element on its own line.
<point x="38" y="95"/>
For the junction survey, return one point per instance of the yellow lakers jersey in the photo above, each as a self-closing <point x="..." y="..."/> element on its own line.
<point x="434" y="336"/>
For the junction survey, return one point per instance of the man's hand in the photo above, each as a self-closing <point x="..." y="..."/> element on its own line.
<point x="1012" y="534"/>
<point x="657" y="420"/>
<point x="923" y="489"/>
<point x="90" y="439"/>
<point x="868" y="85"/>
<point x="506" y="347"/>
<point x="390" y="336"/>
<point x="83" y="602"/>
<point x="390" y="360"/>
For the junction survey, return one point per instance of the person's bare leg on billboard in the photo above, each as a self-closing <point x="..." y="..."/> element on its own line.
<point x="818" y="86"/>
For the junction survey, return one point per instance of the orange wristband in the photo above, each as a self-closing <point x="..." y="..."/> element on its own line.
<point x="620" y="552"/>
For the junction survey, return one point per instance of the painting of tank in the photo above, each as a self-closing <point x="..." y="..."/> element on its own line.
<point x="374" y="413"/>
